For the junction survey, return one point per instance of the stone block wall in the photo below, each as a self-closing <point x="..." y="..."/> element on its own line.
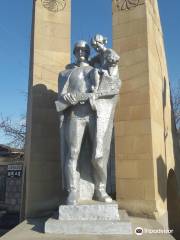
<point x="50" y="53"/>
<point x="144" y="139"/>
<point x="13" y="194"/>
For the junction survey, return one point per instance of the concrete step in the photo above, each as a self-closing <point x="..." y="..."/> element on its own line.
<point x="88" y="227"/>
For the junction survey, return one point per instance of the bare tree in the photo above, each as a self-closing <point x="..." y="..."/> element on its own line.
<point x="15" y="131"/>
<point x="176" y="105"/>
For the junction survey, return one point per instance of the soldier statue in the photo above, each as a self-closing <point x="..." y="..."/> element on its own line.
<point x="87" y="97"/>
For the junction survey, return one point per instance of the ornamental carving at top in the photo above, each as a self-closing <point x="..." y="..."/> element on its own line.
<point x="54" y="5"/>
<point x="128" y="4"/>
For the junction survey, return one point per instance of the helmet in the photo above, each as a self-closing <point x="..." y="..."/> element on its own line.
<point x="83" y="45"/>
<point x="98" y="38"/>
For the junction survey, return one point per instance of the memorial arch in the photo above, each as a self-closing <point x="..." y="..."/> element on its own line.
<point x="142" y="153"/>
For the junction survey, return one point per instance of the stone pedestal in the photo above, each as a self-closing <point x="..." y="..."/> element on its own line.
<point x="94" y="218"/>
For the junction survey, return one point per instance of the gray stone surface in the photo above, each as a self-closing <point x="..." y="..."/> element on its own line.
<point x="32" y="229"/>
<point x="89" y="212"/>
<point x="93" y="218"/>
<point x="88" y="227"/>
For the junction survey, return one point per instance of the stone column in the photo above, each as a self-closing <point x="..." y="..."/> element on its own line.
<point x="144" y="146"/>
<point x="50" y="52"/>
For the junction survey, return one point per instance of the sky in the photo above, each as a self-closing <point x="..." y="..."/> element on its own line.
<point x="88" y="17"/>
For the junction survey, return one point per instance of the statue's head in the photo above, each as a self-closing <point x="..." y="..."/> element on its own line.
<point x="98" y="42"/>
<point x="81" y="51"/>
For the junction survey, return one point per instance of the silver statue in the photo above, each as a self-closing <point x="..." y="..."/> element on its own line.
<point x="87" y="98"/>
<point x="106" y="75"/>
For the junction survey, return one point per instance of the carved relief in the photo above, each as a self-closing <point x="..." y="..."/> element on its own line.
<point x="54" y="5"/>
<point x="128" y="4"/>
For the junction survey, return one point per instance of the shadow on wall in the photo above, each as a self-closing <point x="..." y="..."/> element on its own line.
<point x="173" y="185"/>
<point x="161" y="161"/>
<point x="173" y="204"/>
<point x="44" y="189"/>
<point x="173" y="181"/>
<point x="169" y="186"/>
<point x="162" y="177"/>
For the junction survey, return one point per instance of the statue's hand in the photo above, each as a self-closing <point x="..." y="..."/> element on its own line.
<point x="70" y="98"/>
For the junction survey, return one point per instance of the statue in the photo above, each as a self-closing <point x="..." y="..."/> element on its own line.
<point x="76" y="114"/>
<point x="106" y="75"/>
<point x="87" y="97"/>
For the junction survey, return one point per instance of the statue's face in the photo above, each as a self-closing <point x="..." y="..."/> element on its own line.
<point x="81" y="54"/>
<point x="98" y="47"/>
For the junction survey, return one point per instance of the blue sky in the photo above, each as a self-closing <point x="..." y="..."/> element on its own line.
<point x="15" y="27"/>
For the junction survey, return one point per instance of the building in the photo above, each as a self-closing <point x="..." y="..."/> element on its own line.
<point x="11" y="169"/>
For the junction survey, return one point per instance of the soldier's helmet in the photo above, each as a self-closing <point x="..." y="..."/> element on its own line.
<point x="98" y="38"/>
<point x="82" y="45"/>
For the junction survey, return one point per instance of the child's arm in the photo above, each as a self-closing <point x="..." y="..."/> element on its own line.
<point x="95" y="76"/>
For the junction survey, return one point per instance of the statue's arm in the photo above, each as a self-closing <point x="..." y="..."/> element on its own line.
<point x="65" y="99"/>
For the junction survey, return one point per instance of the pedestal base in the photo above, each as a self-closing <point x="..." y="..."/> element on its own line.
<point x="88" y="212"/>
<point x="97" y="218"/>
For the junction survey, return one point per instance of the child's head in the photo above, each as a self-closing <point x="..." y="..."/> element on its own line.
<point x="98" y="42"/>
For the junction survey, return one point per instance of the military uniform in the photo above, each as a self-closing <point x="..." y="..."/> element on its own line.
<point x="77" y="118"/>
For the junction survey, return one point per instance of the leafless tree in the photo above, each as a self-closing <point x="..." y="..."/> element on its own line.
<point x="176" y="105"/>
<point x="15" y="131"/>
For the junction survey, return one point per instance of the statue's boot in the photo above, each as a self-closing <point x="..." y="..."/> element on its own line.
<point x="72" y="197"/>
<point x="102" y="196"/>
<point x="100" y="178"/>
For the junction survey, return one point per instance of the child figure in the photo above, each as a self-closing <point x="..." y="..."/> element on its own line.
<point x="105" y="62"/>
<point x="106" y="78"/>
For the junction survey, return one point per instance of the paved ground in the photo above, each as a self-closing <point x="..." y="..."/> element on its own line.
<point x="33" y="230"/>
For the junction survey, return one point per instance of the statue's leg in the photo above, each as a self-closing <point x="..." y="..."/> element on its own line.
<point x="74" y="135"/>
<point x="103" y="140"/>
<point x="107" y="146"/>
<point x="98" y="128"/>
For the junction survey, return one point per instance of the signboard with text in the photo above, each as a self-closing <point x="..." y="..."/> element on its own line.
<point x="14" y="170"/>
